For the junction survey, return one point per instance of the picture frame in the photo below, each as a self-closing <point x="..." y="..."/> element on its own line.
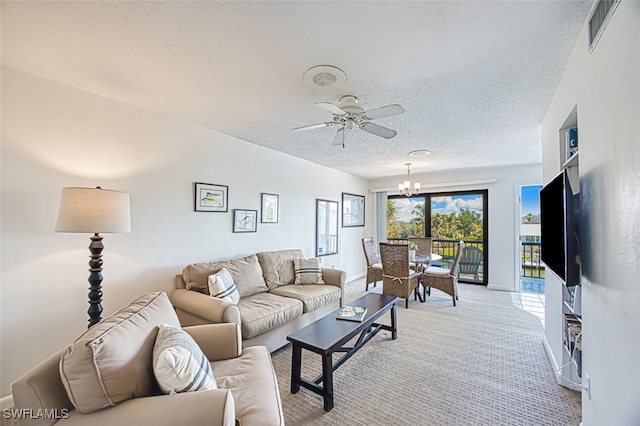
<point x="210" y="197"/>
<point x="352" y="210"/>
<point x="270" y="209"/>
<point x="326" y="227"/>
<point x="245" y="220"/>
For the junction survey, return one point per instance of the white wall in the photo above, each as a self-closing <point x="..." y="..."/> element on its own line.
<point x="503" y="211"/>
<point x="605" y="86"/>
<point x="55" y="136"/>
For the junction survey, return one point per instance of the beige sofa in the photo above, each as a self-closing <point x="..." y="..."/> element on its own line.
<point x="106" y="377"/>
<point x="271" y="306"/>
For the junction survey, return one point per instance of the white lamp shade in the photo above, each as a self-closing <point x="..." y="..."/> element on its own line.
<point x="93" y="210"/>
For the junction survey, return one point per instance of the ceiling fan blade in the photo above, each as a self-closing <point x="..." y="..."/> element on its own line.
<point x="340" y="137"/>
<point x="331" y="108"/>
<point x="313" y="126"/>
<point x="378" y="130"/>
<point x="385" y="111"/>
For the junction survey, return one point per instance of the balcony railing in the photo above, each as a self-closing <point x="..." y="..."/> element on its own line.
<point x="531" y="265"/>
<point x="447" y="249"/>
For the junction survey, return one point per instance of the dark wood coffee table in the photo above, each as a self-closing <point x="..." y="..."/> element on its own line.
<point x="328" y="335"/>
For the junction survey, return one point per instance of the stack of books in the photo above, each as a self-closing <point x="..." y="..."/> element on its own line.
<point x="571" y="142"/>
<point x="572" y="330"/>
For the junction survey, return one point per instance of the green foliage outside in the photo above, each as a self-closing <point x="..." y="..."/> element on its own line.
<point x="465" y="225"/>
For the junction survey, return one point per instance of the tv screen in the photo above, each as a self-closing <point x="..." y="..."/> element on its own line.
<point x="559" y="234"/>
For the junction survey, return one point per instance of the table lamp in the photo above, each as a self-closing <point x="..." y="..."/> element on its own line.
<point x="94" y="210"/>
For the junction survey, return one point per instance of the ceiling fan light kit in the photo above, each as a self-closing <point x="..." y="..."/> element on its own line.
<point x="349" y="114"/>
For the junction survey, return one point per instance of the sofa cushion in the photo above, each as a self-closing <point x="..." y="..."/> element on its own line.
<point x="179" y="364"/>
<point x="111" y="362"/>
<point x="222" y="286"/>
<point x="313" y="296"/>
<point x="264" y="311"/>
<point x="252" y="380"/>
<point x="307" y="271"/>
<point x="246" y="273"/>
<point x="277" y="266"/>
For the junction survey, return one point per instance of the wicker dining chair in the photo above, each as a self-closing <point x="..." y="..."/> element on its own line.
<point x="443" y="279"/>
<point x="374" y="265"/>
<point x="397" y="278"/>
<point x="423" y="246"/>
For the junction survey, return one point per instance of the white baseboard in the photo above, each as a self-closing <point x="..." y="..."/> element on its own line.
<point x="500" y="287"/>
<point x="552" y="358"/>
<point x="562" y="381"/>
<point x="355" y="277"/>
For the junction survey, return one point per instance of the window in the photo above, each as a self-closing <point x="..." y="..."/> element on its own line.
<point x="405" y="217"/>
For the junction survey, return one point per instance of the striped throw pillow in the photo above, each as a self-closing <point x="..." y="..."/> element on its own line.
<point x="221" y="285"/>
<point x="307" y="271"/>
<point x="179" y="364"/>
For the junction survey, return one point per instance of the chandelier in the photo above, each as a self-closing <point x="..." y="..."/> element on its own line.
<point x="405" y="187"/>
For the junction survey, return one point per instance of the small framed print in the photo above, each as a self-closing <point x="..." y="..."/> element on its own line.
<point x="269" y="213"/>
<point x="352" y="210"/>
<point x="211" y="197"/>
<point x="245" y="220"/>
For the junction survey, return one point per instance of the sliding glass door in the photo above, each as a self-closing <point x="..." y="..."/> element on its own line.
<point x="447" y="217"/>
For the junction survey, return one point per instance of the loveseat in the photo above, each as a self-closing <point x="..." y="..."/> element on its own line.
<point x="270" y="307"/>
<point x="108" y="376"/>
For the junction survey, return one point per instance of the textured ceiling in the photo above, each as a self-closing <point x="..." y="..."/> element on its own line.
<point x="475" y="78"/>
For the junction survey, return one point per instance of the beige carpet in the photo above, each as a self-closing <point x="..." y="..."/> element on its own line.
<point x="480" y="363"/>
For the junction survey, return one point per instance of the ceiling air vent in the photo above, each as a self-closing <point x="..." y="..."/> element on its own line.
<point x="324" y="76"/>
<point x="599" y="19"/>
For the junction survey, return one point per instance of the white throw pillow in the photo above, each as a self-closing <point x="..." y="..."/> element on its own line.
<point x="307" y="271"/>
<point x="221" y="285"/>
<point x="179" y="364"/>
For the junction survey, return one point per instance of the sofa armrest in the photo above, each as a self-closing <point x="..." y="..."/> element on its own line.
<point x="212" y="309"/>
<point x="337" y="278"/>
<point x="211" y="407"/>
<point x="217" y="341"/>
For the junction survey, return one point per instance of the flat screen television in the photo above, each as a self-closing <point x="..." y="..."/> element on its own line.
<point x="558" y="229"/>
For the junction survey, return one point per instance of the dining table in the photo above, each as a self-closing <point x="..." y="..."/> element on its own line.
<point x="420" y="262"/>
<point x="424" y="259"/>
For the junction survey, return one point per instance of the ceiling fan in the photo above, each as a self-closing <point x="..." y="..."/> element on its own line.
<point x="349" y="114"/>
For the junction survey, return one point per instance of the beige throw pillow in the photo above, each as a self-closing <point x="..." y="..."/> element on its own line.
<point x="246" y="273"/>
<point x="307" y="271"/>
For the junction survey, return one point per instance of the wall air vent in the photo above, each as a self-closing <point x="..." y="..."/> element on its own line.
<point x="599" y="18"/>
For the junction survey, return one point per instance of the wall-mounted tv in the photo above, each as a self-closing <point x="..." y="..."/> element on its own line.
<point x="558" y="229"/>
